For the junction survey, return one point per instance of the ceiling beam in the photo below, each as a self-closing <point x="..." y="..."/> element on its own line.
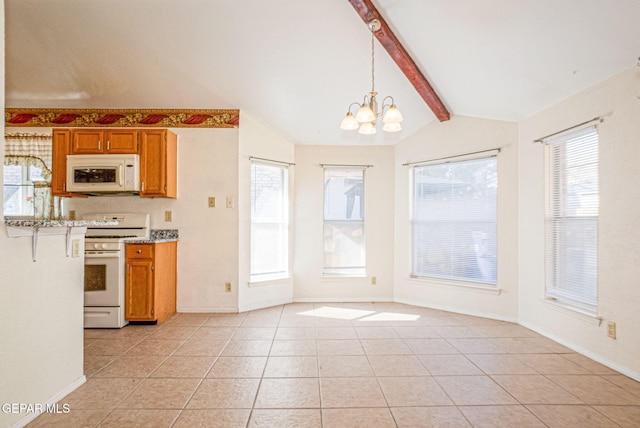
<point x="390" y="42"/>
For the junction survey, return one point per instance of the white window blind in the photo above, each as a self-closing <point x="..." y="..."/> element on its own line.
<point x="344" y="249"/>
<point x="269" y="221"/>
<point x="572" y="218"/>
<point x="454" y="220"/>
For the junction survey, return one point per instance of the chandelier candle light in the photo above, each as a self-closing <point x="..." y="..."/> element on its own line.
<point x="365" y="118"/>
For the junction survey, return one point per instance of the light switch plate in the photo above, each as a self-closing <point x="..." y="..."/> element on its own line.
<point x="168" y="216"/>
<point x="212" y="201"/>
<point x="75" y="248"/>
<point x="611" y="329"/>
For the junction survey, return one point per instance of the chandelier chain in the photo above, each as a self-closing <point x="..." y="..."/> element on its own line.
<point x="369" y="111"/>
<point x="372" y="64"/>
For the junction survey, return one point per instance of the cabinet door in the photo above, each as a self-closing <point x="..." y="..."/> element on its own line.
<point x="60" y="149"/>
<point x="121" y="141"/>
<point x="153" y="163"/>
<point x="87" y="141"/>
<point x="165" y="257"/>
<point x="158" y="163"/>
<point x="139" y="290"/>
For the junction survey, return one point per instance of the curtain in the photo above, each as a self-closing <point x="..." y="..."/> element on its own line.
<point x="29" y="149"/>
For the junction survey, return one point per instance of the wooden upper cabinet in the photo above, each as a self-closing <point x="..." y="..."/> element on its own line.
<point x="158" y="163"/>
<point x="158" y="150"/>
<point x="61" y="147"/>
<point x="104" y="141"/>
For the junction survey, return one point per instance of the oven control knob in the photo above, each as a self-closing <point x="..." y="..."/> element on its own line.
<point x="104" y="246"/>
<point x="96" y="246"/>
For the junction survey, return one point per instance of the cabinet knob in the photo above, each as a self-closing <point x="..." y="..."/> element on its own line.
<point x="138" y="251"/>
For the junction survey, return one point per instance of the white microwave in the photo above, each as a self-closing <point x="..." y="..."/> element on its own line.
<point x="95" y="174"/>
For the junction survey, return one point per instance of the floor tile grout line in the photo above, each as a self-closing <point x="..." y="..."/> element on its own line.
<point x="148" y="376"/>
<point x="589" y="371"/>
<point x="264" y="369"/>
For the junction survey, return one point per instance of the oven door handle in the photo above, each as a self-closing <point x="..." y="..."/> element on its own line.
<point x="101" y="254"/>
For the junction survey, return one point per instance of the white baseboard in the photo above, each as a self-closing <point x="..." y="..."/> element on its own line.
<point x="341" y="299"/>
<point x="57" y="397"/>
<point x="264" y="304"/>
<point x="206" y="310"/>
<point x="456" y="310"/>
<point x="579" y="349"/>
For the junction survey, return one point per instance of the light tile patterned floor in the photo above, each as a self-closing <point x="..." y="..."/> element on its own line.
<point x="341" y="365"/>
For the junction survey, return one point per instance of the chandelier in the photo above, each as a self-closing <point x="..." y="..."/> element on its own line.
<point x="369" y="111"/>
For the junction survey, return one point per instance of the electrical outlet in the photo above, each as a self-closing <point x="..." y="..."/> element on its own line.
<point x="212" y="201"/>
<point x="168" y="216"/>
<point x="72" y="214"/>
<point x="374" y="280"/>
<point x="229" y="201"/>
<point x="611" y="329"/>
<point x="227" y="287"/>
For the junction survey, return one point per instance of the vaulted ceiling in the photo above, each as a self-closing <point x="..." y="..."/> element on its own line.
<point x="296" y="65"/>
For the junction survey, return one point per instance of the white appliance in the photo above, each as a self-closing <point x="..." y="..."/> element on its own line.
<point x="104" y="270"/>
<point x="96" y="174"/>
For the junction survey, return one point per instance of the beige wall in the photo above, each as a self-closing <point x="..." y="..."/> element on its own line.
<point x="41" y="355"/>
<point x="379" y="213"/>
<point x="41" y="318"/>
<point x="208" y="247"/>
<point x="618" y="231"/>
<point x="458" y="136"/>
<point x="257" y="140"/>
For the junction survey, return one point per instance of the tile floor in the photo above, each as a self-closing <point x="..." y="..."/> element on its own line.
<point x="341" y="365"/>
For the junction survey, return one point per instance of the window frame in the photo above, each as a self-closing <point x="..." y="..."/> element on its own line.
<point x="415" y="273"/>
<point x="560" y="282"/>
<point x="27" y="182"/>
<point x="344" y="271"/>
<point x="283" y="222"/>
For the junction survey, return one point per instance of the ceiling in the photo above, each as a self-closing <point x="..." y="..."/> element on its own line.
<point x="296" y="65"/>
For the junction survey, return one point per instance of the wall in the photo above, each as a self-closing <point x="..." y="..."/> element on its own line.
<point x="41" y="356"/>
<point x="379" y="214"/>
<point x="618" y="231"/>
<point x="458" y="136"/>
<point x="208" y="247"/>
<point x="258" y="140"/>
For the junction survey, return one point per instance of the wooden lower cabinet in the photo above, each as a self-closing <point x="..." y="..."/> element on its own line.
<point x="150" y="284"/>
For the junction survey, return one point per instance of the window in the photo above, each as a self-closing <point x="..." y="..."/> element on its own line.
<point x="572" y="218"/>
<point x="27" y="173"/>
<point x="344" y="252"/>
<point x="269" y="221"/>
<point x="19" y="189"/>
<point x="454" y="220"/>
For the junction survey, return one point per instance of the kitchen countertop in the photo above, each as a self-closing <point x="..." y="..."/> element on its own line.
<point x="17" y="228"/>
<point x="56" y="223"/>
<point x="157" y="235"/>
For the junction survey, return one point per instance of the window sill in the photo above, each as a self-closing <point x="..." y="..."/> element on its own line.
<point x="456" y="284"/>
<point x="576" y="312"/>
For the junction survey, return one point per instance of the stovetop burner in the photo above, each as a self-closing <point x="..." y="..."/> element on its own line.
<point x="130" y="225"/>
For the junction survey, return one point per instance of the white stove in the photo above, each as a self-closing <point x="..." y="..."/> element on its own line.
<point x="104" y="274"/>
